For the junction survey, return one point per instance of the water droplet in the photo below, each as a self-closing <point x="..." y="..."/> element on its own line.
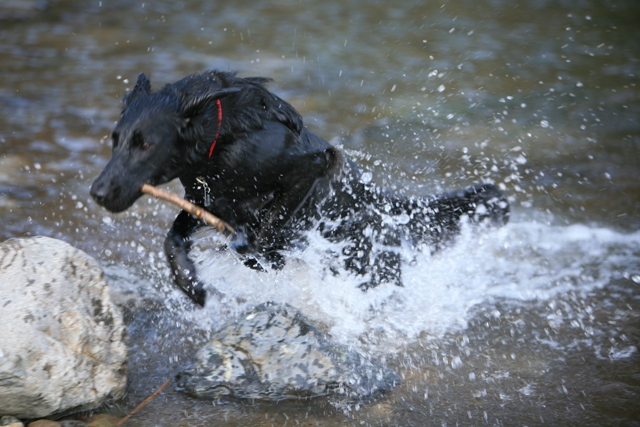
<point x="366" y="177"/>
<point x="456" y="362"/>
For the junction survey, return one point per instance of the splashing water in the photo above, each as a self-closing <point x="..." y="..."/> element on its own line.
<point x="521" y="261"/>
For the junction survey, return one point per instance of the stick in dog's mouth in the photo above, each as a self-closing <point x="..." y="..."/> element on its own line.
<point x="186" y="205"/>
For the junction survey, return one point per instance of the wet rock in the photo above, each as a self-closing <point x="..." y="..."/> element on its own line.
<point x="62" y="345"/>
<point x="103" y="420"/>
<point x="44" y="423"/>
<point x="9" y="421"/>
<point x="72" y="423"/>
<point x="273" y="353"/>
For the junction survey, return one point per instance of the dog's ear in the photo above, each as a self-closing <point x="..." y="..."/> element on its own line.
<point x="195" y="105"/>
<point x="142" y="88"/>
<point x="286" y="114"/>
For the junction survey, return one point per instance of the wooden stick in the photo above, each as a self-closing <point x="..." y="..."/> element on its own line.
<point x="144" y="403"/>
<point x="187" y="206"/>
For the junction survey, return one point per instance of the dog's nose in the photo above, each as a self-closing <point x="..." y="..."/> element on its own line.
<point x="98" y="192"/>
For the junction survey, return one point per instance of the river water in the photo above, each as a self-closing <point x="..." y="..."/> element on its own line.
<point x="536" y="323"/>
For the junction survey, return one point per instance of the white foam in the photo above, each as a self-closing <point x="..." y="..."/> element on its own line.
<point x="522" y="261"/>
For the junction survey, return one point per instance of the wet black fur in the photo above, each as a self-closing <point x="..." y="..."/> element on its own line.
<point x="270" y="178"/>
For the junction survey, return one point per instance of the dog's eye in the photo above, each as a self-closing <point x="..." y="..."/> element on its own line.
<point x="137" y="140"/>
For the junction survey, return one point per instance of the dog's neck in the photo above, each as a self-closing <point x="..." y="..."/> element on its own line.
<point x="215" y="139"/>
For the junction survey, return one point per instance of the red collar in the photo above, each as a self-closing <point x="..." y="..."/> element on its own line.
<point x="215" y="140"/>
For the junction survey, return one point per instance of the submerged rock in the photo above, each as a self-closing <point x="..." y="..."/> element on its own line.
<point x="273" y="353"/>
<point x="62" y="340"/>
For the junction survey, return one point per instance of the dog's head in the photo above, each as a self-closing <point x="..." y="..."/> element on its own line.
<point x="152" y="142"/>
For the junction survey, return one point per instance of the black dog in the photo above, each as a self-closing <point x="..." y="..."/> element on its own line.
<point x="243" y="153"/>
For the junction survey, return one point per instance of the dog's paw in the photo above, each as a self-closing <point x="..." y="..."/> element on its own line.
<point x="195" y="291"/>
<point x="199" y="295"/>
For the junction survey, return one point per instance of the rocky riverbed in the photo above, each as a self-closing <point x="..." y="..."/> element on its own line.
<point x="65" y="346"/>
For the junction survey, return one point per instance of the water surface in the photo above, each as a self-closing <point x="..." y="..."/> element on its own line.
<point x="536" y="323"/>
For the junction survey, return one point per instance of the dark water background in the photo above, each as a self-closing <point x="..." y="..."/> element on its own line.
<point x="540" y="97"/>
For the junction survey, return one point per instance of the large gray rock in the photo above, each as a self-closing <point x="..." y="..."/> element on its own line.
<point x="62" y="341"/>
<point x="274" y="353"/>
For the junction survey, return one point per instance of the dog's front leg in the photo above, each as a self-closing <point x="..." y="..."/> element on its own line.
<point x="177" y="246"/>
